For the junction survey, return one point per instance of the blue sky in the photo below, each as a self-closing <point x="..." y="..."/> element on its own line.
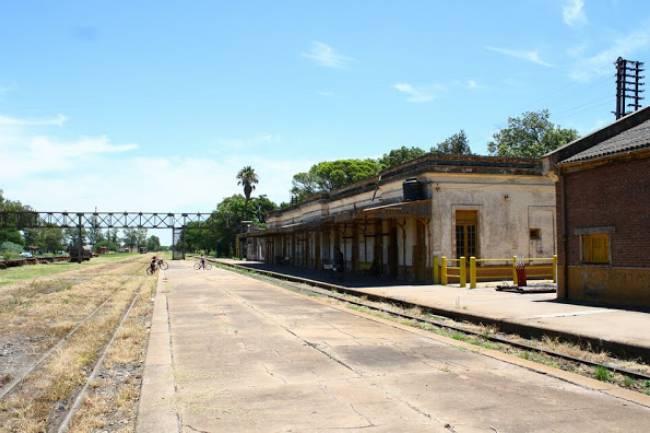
<point x="155" y="105"/>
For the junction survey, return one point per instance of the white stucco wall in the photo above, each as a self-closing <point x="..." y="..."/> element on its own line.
<point x="508" y="207"/>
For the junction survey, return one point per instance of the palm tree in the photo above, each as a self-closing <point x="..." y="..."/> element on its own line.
<point x="248" y="178"/>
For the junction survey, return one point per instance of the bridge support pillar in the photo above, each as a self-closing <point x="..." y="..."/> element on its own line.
<point x="178" y="247"/>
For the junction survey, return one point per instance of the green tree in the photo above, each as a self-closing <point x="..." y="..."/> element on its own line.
<point x="141" y="237"/>
<point x="11" y="234"/>
<point x="456" y="144"/>
<point x="400" y="156"/>
<point x="95" y="234"/>
<point x="71" y="236"/>
<point x="113" y="238"/>
<point x="303" y="185"/>
<point x="220" y="230"/>
<point x="130" y="238"/>
<point x="248" y="179"/>
<point x="48" y="239"/>
<point x="330" y="175"/>
<point x="530" y="135"/>
<point x="10" y="250"/>
<point x="153" y="243"/>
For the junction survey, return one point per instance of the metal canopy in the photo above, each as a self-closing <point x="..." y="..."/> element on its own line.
<point x="416" y="208"/>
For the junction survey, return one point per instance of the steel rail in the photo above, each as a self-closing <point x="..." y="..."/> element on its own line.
<point x="11" y="386"/>
<point x="65" y="423"/>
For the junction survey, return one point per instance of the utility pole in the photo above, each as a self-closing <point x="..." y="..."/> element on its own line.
<point x="628" y="73"/>
<point x="80" y="248"/>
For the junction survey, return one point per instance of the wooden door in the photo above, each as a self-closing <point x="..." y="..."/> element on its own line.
<point x="466" y="233"/>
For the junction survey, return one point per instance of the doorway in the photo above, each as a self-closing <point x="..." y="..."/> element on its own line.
<point x="466" y="233"/>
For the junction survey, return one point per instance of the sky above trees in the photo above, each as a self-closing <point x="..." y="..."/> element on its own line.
<point x="156" y="107"/>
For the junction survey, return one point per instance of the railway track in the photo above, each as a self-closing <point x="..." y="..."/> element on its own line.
<point x="349" y="297"/>
<point x="65" y="417"/>
<point x="24" y="393"/>
<point x="13" y="385"/>
<point x="64" y="425"/>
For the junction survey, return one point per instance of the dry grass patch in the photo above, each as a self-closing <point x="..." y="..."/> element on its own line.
<point x="42" y="399"/>
<point x="119" y="389"/>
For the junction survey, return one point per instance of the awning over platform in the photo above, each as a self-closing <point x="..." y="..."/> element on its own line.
<point x="416" y="208"/>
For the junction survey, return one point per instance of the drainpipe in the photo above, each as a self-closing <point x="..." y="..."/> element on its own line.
<point x="565" y="235"/>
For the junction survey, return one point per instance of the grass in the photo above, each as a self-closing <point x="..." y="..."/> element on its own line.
<point x="114" y="397"/>
<point x="37" y="312"/>
<point x="603" y="374"/>
<point x="28" y="272"/>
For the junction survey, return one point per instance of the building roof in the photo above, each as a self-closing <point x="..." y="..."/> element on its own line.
<point x="632" y="139"/>
<point x="629" y="133"/>
<point x="431" y="163"/>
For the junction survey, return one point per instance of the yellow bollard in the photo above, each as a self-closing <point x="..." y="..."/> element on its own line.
<point x="514" y="271"/>
<point x="462" y="272"/>
<point x="443" y="271"/>
<point x="555" y="268"/>
<point x="436" y="271"/>
<point x="472" y="272"/>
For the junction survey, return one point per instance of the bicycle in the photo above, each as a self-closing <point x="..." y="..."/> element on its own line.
<point x="150" y="270"/>
<point x="162" y="264"/>
<point x="207" y="266"/>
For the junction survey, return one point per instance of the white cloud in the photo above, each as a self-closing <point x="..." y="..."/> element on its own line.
<point x="40" y="155"/>
<point x="419" y="93"/>
<point x="57" y="120"/>
<point x="602" y="63"/>
<point x="49" y="173"/>
<point x="472" y="84"/>
<point x="324" y="55"/>
<point x="528" y="55"/>
<point x="573" y="12"/>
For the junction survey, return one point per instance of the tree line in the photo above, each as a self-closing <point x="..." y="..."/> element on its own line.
<point x="529" y="135"/>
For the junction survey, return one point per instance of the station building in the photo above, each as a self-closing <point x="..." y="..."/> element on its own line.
<point x="603" y="198"/>
<point x="394" y="224"/>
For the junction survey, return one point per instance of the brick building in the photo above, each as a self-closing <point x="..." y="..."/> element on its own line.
<point x="603" y="213"/>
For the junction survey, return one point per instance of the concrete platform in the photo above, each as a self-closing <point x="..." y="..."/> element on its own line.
<point x="616" y="330"/>
<point x="230" y="353"/>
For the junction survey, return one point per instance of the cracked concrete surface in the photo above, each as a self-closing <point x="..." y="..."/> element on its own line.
<point x="247" y="356"/>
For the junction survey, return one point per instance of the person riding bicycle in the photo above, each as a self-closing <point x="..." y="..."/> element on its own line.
<point x="202" y="261"/>
<point x="153" y="264"/>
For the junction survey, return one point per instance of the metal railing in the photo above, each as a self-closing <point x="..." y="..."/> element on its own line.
<point x="472" y="270"/>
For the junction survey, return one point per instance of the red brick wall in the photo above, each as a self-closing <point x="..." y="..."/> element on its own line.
<point x="618" y="195"/>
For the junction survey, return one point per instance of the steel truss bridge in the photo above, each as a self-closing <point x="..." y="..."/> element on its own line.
<point x="177" y="222"/>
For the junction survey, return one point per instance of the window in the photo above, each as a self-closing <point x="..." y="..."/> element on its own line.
<point x="595" y="248"/>
<point x="466" y="233"/>
<point x="535" y="234"/>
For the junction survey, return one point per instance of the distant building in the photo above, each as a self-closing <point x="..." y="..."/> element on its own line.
<point x="603" y="197"/>
<point x="395" y="224"/>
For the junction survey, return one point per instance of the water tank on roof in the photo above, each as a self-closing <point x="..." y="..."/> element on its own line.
<point x="413" y="189"/>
